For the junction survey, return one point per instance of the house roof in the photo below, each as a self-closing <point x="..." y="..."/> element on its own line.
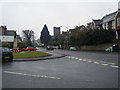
<point x="109" y="17"/>
<point x="11" y="33"/>
<point x="97" y="21"/>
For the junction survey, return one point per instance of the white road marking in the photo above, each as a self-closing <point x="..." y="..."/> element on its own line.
<point x="68" y="56"/>
<point x="72" y="57"/>
<point x="96" y="62"/>
<point x="114" y="66"/>
<point x="104" y="64"/>
<point x="84" y="60"/>
<point x="76" y="58"/>
<point x="38" y="76"/>
<point x="89" y="61"/>
<point x="80" y="59"/>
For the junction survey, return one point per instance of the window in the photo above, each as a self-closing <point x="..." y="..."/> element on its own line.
<point x="113" y="24"/>
<point x="118" y="21"/>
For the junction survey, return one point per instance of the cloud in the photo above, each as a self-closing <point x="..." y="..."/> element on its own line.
<point x="59" y="0"/>
<point x="33" y="16"/>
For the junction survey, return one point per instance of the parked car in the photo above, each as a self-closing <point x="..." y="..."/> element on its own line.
<point x="7" y="55"/>
<point x="49" y="47"/>
<point x="31" y="49"/>
<point x="113" y="48"/>
<point x="55" y="47"/>
<point x="109" y="49"/>
<point x="16" y="50"/>
<point x="73" y="48"/>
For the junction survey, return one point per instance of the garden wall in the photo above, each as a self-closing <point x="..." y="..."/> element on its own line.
<point x="96" y="47"/>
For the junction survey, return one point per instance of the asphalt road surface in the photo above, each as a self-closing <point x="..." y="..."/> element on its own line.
<point x="80" y="69"/>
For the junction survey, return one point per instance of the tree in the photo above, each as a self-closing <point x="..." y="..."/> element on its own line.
<point x="45" y="36"/>
<point x="77" y="38"/>
<point x="29" y="35"/>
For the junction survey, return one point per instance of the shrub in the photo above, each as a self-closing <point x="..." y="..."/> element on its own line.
<point x="92" y="37"/>
<point x="22" y="45"/>
<point x="96" y="37"/>
<point x="9" y="45"/>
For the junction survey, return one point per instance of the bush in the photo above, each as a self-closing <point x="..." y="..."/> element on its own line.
<point x="96" y="37"/>
<point x="78" y="38"/>
<point x="92" y="37"/>
<point x="22" y="45"/>
<point x="9" y="45"/>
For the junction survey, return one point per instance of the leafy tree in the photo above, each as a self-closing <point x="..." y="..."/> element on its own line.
<point x="28" y="36"/>
<point x="77" y="39"/>
<point x="45" y="36"/>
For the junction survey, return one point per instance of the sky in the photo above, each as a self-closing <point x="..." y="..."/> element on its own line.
<point x="34" y="14"/>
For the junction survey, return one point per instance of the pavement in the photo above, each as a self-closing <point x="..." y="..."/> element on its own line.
<point x="54" y="56"/>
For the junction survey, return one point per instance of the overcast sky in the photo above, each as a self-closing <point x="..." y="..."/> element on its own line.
<point x="33" y="14"/>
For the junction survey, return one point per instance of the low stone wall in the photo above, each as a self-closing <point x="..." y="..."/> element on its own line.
<point x="96" y="47"/>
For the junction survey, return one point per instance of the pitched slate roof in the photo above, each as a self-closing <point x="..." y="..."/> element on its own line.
<point x="11" y="33"/>
<point x="97" y="21"/>
<point x="109" y="17"/>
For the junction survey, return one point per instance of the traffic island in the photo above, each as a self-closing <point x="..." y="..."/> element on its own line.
<point x="34" y="56"/>
<point x="30" y="54"/>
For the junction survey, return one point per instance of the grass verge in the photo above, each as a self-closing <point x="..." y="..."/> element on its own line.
<point x="29" y="54"/>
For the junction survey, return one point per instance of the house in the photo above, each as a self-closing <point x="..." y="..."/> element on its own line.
<point x="3" y="30"/>
<point x="4" y="35"/>
<point x="117" y="23"/>
<point x="109" y="21"/>
<point x="89" y="26"/>
<point x="96" y="23"/>
<point x="72" y="31"/>
<point x="65" y="34"/>
<point x="11" y="33"/>
<point x="82" y="27"/>
<point x="9" y="37"/>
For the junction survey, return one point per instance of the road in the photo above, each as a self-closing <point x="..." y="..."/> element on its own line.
<point x="80" y="69"/>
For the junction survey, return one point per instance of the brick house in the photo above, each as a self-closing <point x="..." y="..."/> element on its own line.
<point x="117" y="23"/>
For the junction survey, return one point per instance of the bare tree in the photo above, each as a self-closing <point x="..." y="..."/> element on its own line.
<point x="29" y="36"/>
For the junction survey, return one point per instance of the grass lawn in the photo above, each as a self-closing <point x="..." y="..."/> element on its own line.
<point x="29" y="54"/>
